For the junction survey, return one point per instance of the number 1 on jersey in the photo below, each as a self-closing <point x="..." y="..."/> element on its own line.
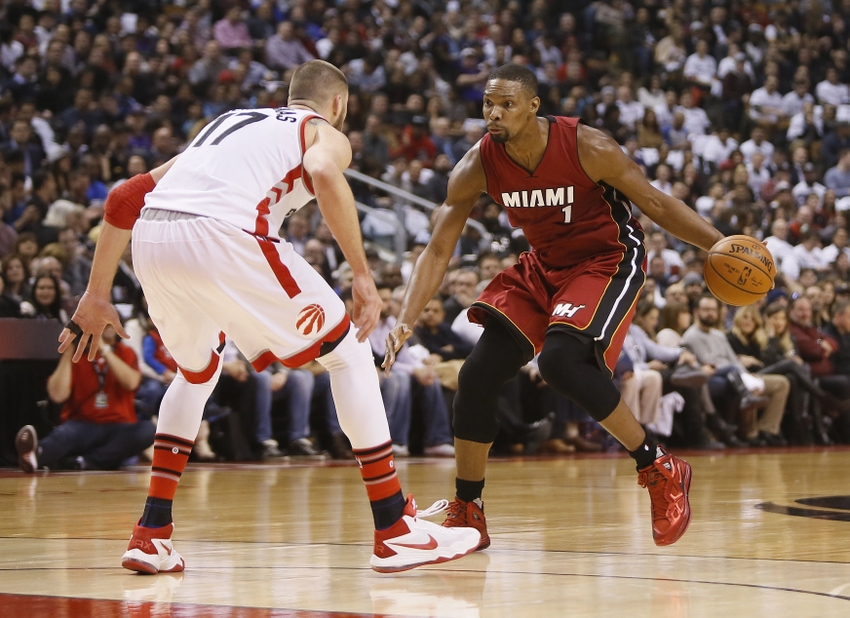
<point x="568" y="209"/>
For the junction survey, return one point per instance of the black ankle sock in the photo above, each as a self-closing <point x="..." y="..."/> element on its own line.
<point x="646" y="453"/>
<point x="469" y="490"/>
<point x="157" y="513"/>
<point x="388" y="511"/>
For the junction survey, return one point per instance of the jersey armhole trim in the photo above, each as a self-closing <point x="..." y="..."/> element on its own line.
<point x="578" y="160"/>
<point x="305" y="177"/>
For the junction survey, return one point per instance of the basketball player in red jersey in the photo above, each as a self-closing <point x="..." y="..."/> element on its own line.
<point x="570" y="299"/>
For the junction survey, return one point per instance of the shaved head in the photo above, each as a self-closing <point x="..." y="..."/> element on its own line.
<point x="317" y="81"/>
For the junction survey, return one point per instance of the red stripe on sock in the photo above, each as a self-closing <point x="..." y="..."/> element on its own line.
<point x="170" y="455"/>
<point x="378" y="472"/>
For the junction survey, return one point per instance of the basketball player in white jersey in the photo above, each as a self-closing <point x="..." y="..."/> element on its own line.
<point x="207" y="253"/>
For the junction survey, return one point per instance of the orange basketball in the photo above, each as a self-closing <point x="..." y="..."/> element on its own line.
<point x="739" y="270"/>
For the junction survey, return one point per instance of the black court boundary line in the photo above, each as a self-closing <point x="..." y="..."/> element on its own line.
<point x="839" y="597"/>
<point x="283" y="545"/>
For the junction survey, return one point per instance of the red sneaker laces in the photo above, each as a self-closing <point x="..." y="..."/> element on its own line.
<point x="654" y="480"/>
<point x="456" y="509"/>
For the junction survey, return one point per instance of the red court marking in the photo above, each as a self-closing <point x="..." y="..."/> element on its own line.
<point x="63" y="607"/>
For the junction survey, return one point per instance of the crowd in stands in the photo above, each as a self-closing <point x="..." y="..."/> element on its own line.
<point x="740" y="109"/>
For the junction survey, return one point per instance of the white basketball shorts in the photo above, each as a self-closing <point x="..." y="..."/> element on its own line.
<point x="204" y="278"/>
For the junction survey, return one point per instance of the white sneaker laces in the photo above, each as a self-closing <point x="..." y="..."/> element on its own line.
<point x="435" y="509"/>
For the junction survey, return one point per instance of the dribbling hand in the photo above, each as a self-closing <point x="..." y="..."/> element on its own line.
<point x="91" y="317"/>
<point x="395" y="340"/>
<point x="367" y="306"/>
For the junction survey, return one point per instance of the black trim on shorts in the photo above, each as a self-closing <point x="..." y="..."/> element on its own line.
<point x="615" y="304"/>
<point x="329" y="346"/>
<point x="522" y="340"/>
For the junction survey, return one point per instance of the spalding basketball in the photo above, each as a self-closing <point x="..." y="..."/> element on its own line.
<point x="739" y="270"/>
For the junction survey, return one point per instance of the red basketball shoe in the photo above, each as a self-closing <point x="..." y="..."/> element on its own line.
<point x="412" y="542"/>
<point x="150" y="551"/>
<point x="468" y="514"/>
<point x="668" y="480"/>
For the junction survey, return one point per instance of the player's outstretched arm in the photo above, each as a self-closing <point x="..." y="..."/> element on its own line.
<point x="604" y="161"/>
<point x="95" y="311"/>
<point x="466" y="184"/>
<point x="324" y="161"/>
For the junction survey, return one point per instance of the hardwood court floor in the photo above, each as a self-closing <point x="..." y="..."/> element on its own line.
<point x="770" y="537"/>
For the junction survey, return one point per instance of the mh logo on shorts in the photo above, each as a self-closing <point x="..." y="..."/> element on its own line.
<point x="566" y="310"/>
<point x="310" y="320"/>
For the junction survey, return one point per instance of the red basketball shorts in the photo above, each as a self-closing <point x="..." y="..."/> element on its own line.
<point x="595" y="298"/>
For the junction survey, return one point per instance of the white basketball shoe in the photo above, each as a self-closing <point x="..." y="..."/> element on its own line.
<point x="413" y="542"/>
<point x="150" y="551"/>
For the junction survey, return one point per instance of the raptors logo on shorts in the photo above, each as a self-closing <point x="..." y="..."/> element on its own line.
<point x="310" y="320"/>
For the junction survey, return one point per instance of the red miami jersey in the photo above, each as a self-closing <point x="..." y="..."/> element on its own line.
<point x="566" y="217"/>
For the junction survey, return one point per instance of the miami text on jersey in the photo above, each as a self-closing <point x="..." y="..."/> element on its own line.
<point x="538" y="197"/>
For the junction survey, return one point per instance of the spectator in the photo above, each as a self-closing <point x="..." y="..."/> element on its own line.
<point x="781" y="250"/>
<point x="701" y="68"/>
<point x="808" y="185"/>
<point x="834" y="142"/>
<point x="831" y="91"/>
<point x="463" y="291"/>
<point x="816" y="348"/>
<point x="45" y="301"/>
<point x="794" y="101"/>
<point x="808" y="252"/>
<point x="719" y="147"/>
<point x="839" y="246"/>
<point x="231" y="33"/>
<point x="207" y="69"/>
<point x="416" y="142"/>
<point x="648" y="131"/>
<point x="284" y="50"/>
<point x="473" y="131"/>
<point x="766" y="104"/>
<point x="838" y="178"/>
<point x="77" y="267"/>
<point x="14" y="273"/>
<point x="437" y="336"/>
<point x="727" y="385"/>
<point x="99" y="429"/>
<point x="757" y="143"/>
<point x="21" y="139"/>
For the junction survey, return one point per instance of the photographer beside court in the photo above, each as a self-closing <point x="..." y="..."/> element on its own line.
<point x="99" y="427"/>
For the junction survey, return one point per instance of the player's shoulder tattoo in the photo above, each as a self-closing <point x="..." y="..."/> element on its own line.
<point x="317" y="121"/>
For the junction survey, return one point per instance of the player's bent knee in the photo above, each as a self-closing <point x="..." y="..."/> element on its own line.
<point x="349" y="353"/>
<point x="567" y="364"/>
<point x="473" y="427"/>
<point x="474" y="411"/>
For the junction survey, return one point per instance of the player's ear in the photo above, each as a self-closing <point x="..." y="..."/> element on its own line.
<point x="338" y="105"/>
<point x="534" y="105"/>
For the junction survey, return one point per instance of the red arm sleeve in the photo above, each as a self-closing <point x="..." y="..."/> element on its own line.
<point x="125" y="202"/>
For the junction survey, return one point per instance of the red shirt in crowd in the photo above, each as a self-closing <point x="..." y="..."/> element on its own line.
<point x="85" y="386"/>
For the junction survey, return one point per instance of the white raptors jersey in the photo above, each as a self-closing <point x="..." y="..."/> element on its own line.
<point x="243" y="168"/>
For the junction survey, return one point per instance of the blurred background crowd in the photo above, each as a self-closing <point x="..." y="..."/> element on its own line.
<point x="741" y="109"/>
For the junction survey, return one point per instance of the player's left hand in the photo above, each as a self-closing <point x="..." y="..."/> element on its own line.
<point x="367" y="306"/>
<point x="91" y="317"/>
<point x="395" y="340"/>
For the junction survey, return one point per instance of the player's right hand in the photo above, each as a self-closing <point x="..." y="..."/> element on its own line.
<point x="92" y="316"/>
<point x="367" y="306"/>
<point x="395" y="340"/>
